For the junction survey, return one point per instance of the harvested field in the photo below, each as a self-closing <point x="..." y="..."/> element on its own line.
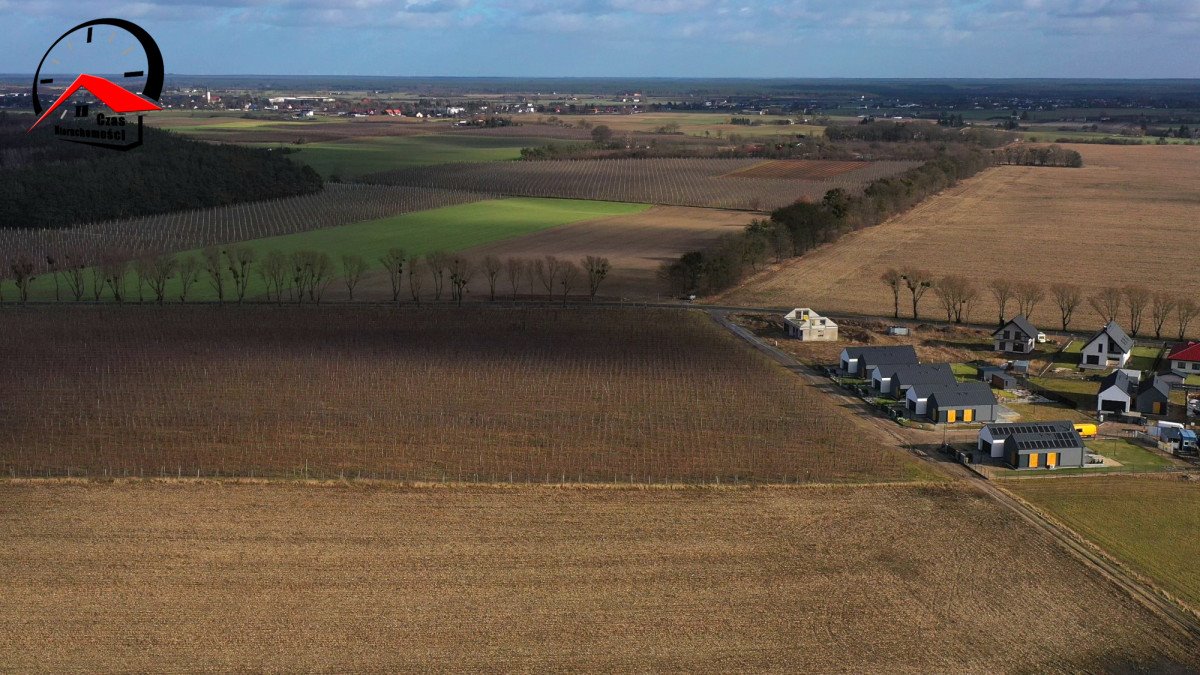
<point x="676" y="182"/>
<point x="333" y="206"/>
<point x="1148" y="522"/>
<point x="1126" y="217"/>
<point x="636" y="245"/>
<point x="301" y="577"/>
<point x="475" y="394"/>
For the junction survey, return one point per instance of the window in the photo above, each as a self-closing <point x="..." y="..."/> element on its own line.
<point x="1100" y="347"/>
<point x="1196" y="366"/>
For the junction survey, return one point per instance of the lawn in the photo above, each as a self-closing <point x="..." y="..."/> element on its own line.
<point x="1132" y="457"/>
<point x="1149" y="523"/>
<point x="1082" y="392"/>
<point x="353" y="158"/>
<point x="1143" y="358"/>
<point x="450" y="228"/>
<point x="1068" y="357"/>
<point x="965" y="371"/>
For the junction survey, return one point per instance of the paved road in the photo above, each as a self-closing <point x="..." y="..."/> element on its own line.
<point x="1184" y="621"/>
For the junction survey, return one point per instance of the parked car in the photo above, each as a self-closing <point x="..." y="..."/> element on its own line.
<point x="1041" y="338"/>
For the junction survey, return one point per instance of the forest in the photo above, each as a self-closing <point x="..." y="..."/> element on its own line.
<point x="50" y="183"/>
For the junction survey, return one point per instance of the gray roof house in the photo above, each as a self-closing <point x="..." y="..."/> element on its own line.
<point x="860" y="360"/>
<point x="1033" y="445"/>
<point x="997" y="377"/>
<point x="1108" y="348"/>
<point x="1018" y="336"/>
<point x="963" y="402"/>
<point x="894" y="380"/>
<point x="1153" y="396"/>
<point x="1117" y="390"/>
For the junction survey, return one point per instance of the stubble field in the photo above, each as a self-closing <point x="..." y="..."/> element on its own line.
<point x="290" y="577"/>
<point x="472" y="394"/>
<point x="1127" y="217"/>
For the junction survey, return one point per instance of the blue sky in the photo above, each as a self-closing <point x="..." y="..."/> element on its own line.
<point x="681" y="38"/>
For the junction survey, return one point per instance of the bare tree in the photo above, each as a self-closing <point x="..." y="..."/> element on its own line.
<point x="22" y="276"/>
<point x="354" y="266"/>
<point x="273" y="270"/>
<point x="393" y="262"/>
<point x="320" y="274"/>
<point x="1002" y="292"/>
<point x="1186" y="310"/>
<point x="569" y="275"/>
<point x="211" y="257"/>
<point x="115" y="269"/>
<point x="73" y="274"/>
<point x="161" y="269"/>
<point x="98" y="280"/>
<point x="53" y="266"/>
<point x="1106" y="302"/>
<point x="597" y="270"/>
<point x="947" y="293"/>
<point x="491" y="268"/>
<point x="141" y="271"/>
<point x="918" y="282"/>
<point x="515" y="269"/>
<point x="1028" y="294"/>
<point x="547" y="269"/>
<point x="1161" y="307"/>
<point x="892" y="278"/>
<point x="298" y="262"/>
<point x="189" y="273"/>
<point x="437" y="261"/>
<point x="461" y="271"/>
<point x="239" y="260"/>
<point x="1067" y="297"/>
<point x="416" y="273"/>
<point x="1136" y="299"/>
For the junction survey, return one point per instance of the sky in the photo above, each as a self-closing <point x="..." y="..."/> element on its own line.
<point x="640" y="38"/>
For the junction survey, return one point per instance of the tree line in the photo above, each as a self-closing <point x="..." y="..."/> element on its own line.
<point x="50" y="183"/>
<point x="304" y="276"/>
<point x="1031" y="155"/>
<point x="795" y="229"/>
<point x="1137" y="307"/>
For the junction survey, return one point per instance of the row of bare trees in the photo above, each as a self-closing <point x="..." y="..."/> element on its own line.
<point x="1135" y="305"/>
<point x="304" y="276"/>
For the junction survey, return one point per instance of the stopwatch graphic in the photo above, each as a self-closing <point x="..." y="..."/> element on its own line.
<point x="117" y="63"/>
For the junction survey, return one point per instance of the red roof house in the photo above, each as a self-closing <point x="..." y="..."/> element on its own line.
<point x="1185" y="359"/>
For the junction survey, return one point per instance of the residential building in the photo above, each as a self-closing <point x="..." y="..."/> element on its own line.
<point x="1185" y="359"/>
<point x="1125" y="391"/>
<point x="894" y="380"/>
<point x="1108" y="348"/>
<point x="1018" y="336"/>
<point x="804" y="324"/>
<point x="965" y="402"/>
<point x="1153" y="396"/>
<point x="1033" y="445"/>
<point x="997" y="377"/>
<point x="860" y="360"/>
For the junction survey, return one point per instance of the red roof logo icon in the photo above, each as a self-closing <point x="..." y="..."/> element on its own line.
<point x="112" y="95"/>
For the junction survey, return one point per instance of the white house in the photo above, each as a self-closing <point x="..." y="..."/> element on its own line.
<point x="1108" y="348"/>
<point x="1117" y="391"/>
<point x="1017" y="336"/>
<point x="804" y="324"/>
<point x="1185" y="359"/>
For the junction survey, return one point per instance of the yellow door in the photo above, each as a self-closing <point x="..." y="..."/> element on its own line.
<point x="1033" y="461"/>
<point x="1051" y="459"/>
<point x="1158" y="408"/>
<point x="968" y="415"/>
<point x="951" y="416"/>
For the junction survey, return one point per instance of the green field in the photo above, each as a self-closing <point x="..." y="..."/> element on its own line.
<point x="353" y="158"/>
<point x="1149" y="523"/>
<point x="1132" y="456"/>
<point x="452" y="228"/>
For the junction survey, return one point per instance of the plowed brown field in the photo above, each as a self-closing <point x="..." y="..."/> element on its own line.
<point x="291" y="577"/>
<point x="1128" y="217"/>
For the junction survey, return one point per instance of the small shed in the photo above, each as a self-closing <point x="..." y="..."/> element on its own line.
<point x="997" y="377"/>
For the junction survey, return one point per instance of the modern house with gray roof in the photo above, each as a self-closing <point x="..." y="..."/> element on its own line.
<point x="1108" y="348"/>
<point x="1034" y="445"/>
<point x="1153" y="396"/>
<point x="892" y="380"/>
<point x="1125" y="391"/>
<point x="859" y="361"/>
<point x="964" y="402"/>
<point x="1018" y="336"/>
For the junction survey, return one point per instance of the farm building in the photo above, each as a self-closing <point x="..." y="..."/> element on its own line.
<point x="1018" y="336"/>
<point x="804" y="324"/>
<point x="1185" y="359"/>
<point x="1034" y="444"/>
<point x="1108" y="348"/>
<point x="1124" y="391"/>
<point x="892" y="380"/>
<point x="963" y="402"/>
<point x="860" y="360"/>
<point x="997" y="377"/>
